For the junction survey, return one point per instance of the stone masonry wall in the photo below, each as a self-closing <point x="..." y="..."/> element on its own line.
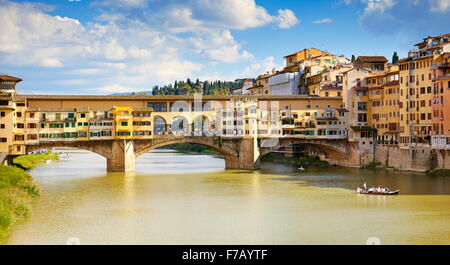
<point x="413" y="158"/>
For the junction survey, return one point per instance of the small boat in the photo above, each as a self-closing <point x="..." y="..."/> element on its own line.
<point x="377" y="192"/>
<point x="301" y="168"/>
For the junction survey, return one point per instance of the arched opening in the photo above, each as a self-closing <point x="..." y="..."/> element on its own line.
<point x="202" y="126"/>
<point x="301" y="154"/>
<point x="179" y="126"/>
<point x="181" y="157"/>
<point x="69" y="161"/>
<point x="159" y="125"/>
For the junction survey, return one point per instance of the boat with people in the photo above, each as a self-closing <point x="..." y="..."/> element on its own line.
<point x="377" y="191"/>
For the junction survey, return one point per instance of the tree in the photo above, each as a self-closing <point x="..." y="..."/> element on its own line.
<point x="395" y="58"/>
<point x="353" y="58"/>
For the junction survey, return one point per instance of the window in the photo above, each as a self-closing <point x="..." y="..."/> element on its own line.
<point x="362" y="117"/>
<point x="362" y="105"/>
<point x="19" y="114"/>
<point x="3" y="140"/>
<point x="123" y="133"/>
<point x="124" y="123"/>
<point x="83" y="115"/>
<point x="2" y="114"/>
<point x="71" y="115"/>
<point x="2" y="126"/>
<point x="158" y="106"/>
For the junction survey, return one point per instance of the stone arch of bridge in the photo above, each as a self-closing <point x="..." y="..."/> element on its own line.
<point x="141" y="149"/>
<point x="328" y="149"/>
<point x="98" y="147"/>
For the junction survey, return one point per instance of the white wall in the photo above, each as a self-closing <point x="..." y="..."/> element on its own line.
<point x="284" y="84"/>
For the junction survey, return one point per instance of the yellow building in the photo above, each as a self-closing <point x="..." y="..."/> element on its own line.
<point x="142" y="123"/>
<point x="314" y="84"/>
<point x="384" y="95"/>
<point x="11" y="135"/>
<point x="123" y="122"/>
<point x="416" y="93"/>
<point x="82" y="124"/>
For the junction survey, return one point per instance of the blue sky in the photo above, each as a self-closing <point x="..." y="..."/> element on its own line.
<point x="104" y="46"/>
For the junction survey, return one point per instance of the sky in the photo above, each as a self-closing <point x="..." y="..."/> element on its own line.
<point x="112" y="46"/>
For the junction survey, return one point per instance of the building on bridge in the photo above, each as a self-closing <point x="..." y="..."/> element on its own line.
<point x="102" y="123"/>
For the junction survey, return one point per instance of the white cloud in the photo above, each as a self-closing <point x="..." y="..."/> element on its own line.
<point x="128" y="45"/>
<point x="415" y="18"/>
<point x="116" y="88"/>
<point x="323" y="21"/>
<point x="122" y="3"/>
<point x="51" y="62"/>
<point x="220" y="47"/>
<point x="286" y="19"/>
<point x="266" y="65"/>
<point x="440" y="6"/>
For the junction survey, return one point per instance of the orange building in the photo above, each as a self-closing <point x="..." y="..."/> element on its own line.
<point x="441" y="101"/>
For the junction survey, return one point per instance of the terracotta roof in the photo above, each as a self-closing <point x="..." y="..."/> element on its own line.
<point x="10" y="78"/>
<point x="253" y="87"/>
<point x="302" y="51"/>
<point x="404" y="60"/>
<point x="372" y="59"/>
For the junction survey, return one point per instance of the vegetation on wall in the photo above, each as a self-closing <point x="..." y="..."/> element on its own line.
<point x="373" y="165"/>
<point x="439" y="173"/>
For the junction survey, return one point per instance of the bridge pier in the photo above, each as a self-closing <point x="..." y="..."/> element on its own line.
<point x="122" y="156"/>
<point x="246" y="157"/>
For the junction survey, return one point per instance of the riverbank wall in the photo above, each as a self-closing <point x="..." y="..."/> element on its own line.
<point x="420" y="159"/>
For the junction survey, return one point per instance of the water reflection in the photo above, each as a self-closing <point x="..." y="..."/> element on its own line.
<point x="190" y="199"/>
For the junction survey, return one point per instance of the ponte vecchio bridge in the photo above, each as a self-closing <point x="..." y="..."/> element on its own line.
<point x="241" y="128"/>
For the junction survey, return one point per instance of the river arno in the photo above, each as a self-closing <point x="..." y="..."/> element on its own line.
<point x="189" y="199"/>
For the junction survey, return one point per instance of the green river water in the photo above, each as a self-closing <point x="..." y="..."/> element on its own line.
<point x="175" y="198"/>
